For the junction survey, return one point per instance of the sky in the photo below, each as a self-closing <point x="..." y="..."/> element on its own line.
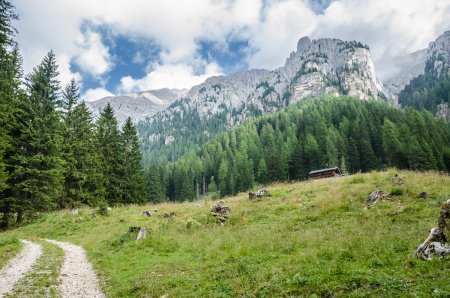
<point x="117" y="47"/>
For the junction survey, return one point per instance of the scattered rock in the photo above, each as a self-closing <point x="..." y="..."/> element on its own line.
<point x="221" y="211"/>
<point x="375" y="196"/>
<point x="422" y="195"/>
<point x="258" y="194"/>
<point x="74" y="211"/>
<point x="168" y="215"/>
<point x="436" y="244"/>
<point x="397" y="180"/>
<point x="142" y="232"/>
<point x="146" y="214"/>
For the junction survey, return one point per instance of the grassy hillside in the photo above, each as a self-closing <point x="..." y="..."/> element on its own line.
<point x="310" y="238"/>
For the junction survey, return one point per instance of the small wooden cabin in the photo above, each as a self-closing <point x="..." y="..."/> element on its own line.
<point x="324" y="173"/>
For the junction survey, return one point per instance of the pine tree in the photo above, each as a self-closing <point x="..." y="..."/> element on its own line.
<point x="37" y="165"/>
<point x="108" y="141"/>
<point x="133" y="179"/>
<point x="155" y="188"/>
<point x="83" y="176"/>
<point x="10" y="75"/>
<point x="263" y="175"/>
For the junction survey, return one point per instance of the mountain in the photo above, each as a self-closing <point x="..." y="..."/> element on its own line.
<point x="138" y="106"/>
<point x="323" y="66"/>
<point x="404" y="69"/>
<point x="430" y="88"/>
<point x="409" y="70"/>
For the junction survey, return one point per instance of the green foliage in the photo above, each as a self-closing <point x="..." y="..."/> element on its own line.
<point x="133" y="183"/>
<point x="316" y="133"/>
<point x="429" y="89"/>
<point x="108" y="140"/>
<point x="83" y="178"/>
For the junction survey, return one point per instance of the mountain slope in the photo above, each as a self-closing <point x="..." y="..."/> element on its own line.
<point x="138" y="106"/>
<point x="324" y="66"/>
<point x="432" y="87"/>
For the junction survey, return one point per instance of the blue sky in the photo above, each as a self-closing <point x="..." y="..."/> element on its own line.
<point x="113" y="47"/>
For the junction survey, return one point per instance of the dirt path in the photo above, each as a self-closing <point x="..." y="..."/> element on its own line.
<point x="77" y="278"/>
<point x="18" y="266"/>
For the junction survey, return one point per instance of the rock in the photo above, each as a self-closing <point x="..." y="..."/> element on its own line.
<point x="442" y="111"/>
<point x="375" y="196"/>
<point x="146" y="214"/>
<point x="258" y="194"/>
<point x="434" y="246"/>
<point x="422" y="195"/>
<point x="142" y="232"/>
<point x="168" y="215"/>
<point x="221" y="211"/>
<point x="74" y="211"/>
<point x="397" y="180"/>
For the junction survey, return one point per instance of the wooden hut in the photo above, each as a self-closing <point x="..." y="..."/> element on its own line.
<point x="325" y="173"/>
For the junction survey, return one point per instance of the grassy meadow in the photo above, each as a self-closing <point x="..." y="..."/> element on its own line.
<point x="310" y="239"/>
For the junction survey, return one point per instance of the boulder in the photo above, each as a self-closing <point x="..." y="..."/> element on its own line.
<point x="375" y="196"/>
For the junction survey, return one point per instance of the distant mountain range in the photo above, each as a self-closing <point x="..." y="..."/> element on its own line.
<point x="138" y="106"/>
<point x="323" y="66"/>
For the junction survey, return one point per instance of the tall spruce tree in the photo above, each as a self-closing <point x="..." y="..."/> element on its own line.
<point x="108" y="141"/>
<point x="83" y="176"/>
<point x="36" y="176"/>
<point x="133" y="172"/>
<point x="10" y="75"/>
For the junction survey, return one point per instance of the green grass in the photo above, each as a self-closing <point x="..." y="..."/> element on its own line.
<point x="42" y="279"/>
<point x="314" y="238"/>
<point x="9" y="247"/>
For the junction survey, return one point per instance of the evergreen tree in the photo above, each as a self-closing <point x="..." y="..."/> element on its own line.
<point x="10" y="75"/>
<point x="83" y="176"/>
<point x="263" y="175"/>
<point x="133" y="173"/>
<point x="36" y="177"/>
<point x="108" y="141"/>
<point x="155" y="187"/>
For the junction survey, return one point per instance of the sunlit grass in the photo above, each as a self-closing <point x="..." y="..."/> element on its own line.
<point x="309" y="238"/>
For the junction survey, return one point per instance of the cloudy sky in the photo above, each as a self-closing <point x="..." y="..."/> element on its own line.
<point x="116" y="46"/>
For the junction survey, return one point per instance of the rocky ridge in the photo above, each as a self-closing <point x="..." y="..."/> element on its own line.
<point x="323" y="66"/>
<point x="434" y="59"/>
<point x="138" y="106"/>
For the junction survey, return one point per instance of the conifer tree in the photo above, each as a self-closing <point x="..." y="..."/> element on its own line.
<point x="155" y="187"/>
<point x="263" y="175"/>
<point x="36" y="177"/>
<point x="133" y="172"/>
<point x="83" y="176"/>
<point x="108" y="141"/>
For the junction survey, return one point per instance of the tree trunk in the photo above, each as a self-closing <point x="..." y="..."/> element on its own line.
<point x="19" y="218"/>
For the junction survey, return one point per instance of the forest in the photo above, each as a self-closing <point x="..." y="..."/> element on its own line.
<point x="315" y="133"/>
<point x="52" y="154"/>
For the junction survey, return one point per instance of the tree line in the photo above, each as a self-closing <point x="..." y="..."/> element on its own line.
<point x="314" y="133"/>
<point x="52" y="154"/>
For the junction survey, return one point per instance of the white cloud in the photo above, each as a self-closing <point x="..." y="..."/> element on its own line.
<point x="177" y="76"/>
<point x="94" y="94"/>
<point x="94" y="57"/>
<point x="272" y="27"/>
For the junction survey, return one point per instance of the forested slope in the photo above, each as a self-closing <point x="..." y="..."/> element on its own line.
<point x="315" y="133"/>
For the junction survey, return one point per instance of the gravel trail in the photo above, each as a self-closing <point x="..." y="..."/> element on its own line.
<point x="18" y="266"/>
<point x="77" y="278"/>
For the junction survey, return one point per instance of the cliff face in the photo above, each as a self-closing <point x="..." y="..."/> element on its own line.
<point x="324" y="66"/>
<point x="316" y="67"/>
